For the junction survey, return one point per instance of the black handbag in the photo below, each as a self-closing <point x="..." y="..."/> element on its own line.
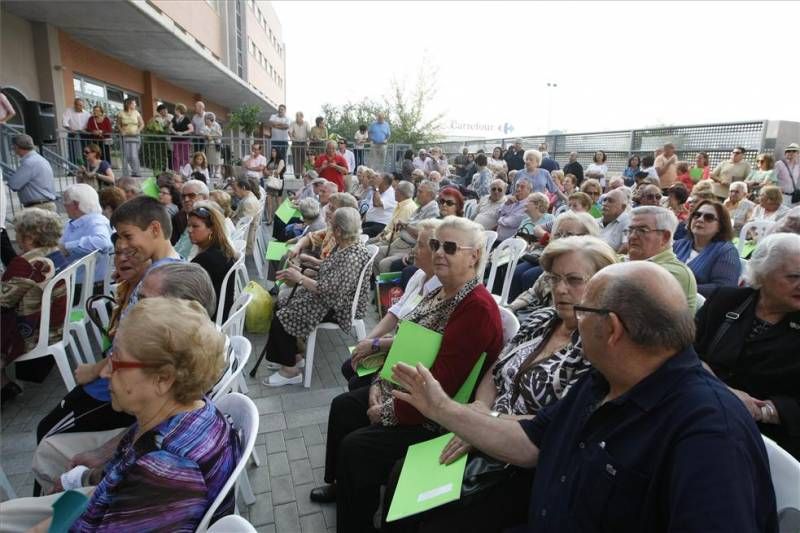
<point x="483" y="472"/>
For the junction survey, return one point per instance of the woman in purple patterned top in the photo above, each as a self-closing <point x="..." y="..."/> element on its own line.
<point x="172" y="463"/>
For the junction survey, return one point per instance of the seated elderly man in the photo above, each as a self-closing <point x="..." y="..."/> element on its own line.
<point x="650" y="239"/>
<point x="615" y="219"/>
<point x="406" y="233"/>
<point x="382" y="205"/>
<point x="192" y="191"/>
<point x="88" y="230"/>
<point x="512" y="213"/>
<point x="488" y="210"/>
<point x="311" y="213"/>
<point x="646" y="441"/>
<point x="404" y="195"/>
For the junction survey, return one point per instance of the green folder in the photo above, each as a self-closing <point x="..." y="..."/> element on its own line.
<point x="66" y="509"/>
<point x="465" y="392"/>
<point x="287" y="211"/>
<point x="696" y="173"/>
<point x="425" y="483"/>
<point x="276" y="250"/>
<point x="413" y="344"/>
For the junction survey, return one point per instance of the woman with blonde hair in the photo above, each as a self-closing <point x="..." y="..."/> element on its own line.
<point x="206" y="228"/>
<point x="765" y="174"/>
<point x="770" y="204"/>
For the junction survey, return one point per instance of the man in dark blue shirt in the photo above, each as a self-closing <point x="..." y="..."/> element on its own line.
<point x="647" y="442"/>
<point x="514" y="156"/>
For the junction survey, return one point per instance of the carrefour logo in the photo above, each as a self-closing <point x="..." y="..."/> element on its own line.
<point x="505" y="128"/>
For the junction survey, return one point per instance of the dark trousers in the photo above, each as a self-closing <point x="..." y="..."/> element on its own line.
<point x="372" y="228"/>
<point x="523" y="279"/>
<point x="359" y="156"/>
<point x="281" y="346"/>
<point x="359" y="457"/>
<point x="354" y="381"/>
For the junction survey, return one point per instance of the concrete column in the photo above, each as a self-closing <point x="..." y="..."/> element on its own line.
<point x="148" y="98"/>
<point x="49" y="69"/>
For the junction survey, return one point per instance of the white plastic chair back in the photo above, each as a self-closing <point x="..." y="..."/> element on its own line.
<point x="507" y="253"/>
<point x="240" y="232"/>
<point x="491" y="236"/>
<point x="229" y="282"/>
<point x="239" y="245"/>
<point x="699" y="300"/>
<point x="510" y="324"/>
<point x="259" y="246"/>
<point x="82" y="326"/>
<point x="237" y="353"/>
<point x="785" y="472"/>
<point x="234" y="326"/>
<point x="470" y="208"/>
<point x="357" y="324"/>
<point x="43" y="347"/>
<point x="243" y="416"/>
<point x="363" y="238"/>
<point x="758" y="228"/>
<point x="232" y="524"/>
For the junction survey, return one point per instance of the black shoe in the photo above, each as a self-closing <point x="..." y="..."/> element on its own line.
<point x="324" y="494"/>
<point x="9" y="391"/>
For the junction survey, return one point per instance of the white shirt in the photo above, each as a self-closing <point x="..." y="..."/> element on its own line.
<point x="259" y="161"/>
<point x="416" y="289"/>
<point x="360" y="139"/>
<point x="298" y="132"/>
<point x="277" y="133"/>
<point x="488" y="212"/>
<point x="382" y="215"/>
<point x="351" y="160"/>
<point x="187" y="171"/>
<point x="75" y="121"/>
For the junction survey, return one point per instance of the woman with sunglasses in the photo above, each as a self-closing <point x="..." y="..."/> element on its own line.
<point x="97" y="171"/>
<point x="172" y="463"/>
<point x="764" y="174"/>
<point x="368" y="430"/>
<point x="451" y="202"/>
<point x="206" y="228"/>
<point x="708" y="250"/>
<point x="536" y="368"/>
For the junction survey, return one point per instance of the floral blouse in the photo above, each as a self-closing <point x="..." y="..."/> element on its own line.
<point x="544" y="382"/>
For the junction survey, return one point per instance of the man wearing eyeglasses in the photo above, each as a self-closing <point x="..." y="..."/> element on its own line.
<point x="615" y="219"/>
<point x="193" y="191"/>
<point x="646" y="441"/>
<point x="488" y="209"/>
<point x="734" y="169"/>
<point x="650" y="239"/>
<point x="512" y="213"/>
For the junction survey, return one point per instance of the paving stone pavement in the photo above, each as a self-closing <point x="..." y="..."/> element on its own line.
<point x="291" y="436"/>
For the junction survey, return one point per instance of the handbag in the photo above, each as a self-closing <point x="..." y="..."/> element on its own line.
<point x="483" y="472"/>
<point x="273" y="183"/>
<point x="795" y="191"/>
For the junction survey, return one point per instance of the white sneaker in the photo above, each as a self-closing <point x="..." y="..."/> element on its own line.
<point x="276" y="380"/>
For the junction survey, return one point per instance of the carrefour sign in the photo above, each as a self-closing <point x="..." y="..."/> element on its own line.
<point x="504" y="128"/>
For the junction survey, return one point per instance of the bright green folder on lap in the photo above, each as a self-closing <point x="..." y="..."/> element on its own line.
<point x="276" y="250"/>
<point x="425" y="483"/>
<point x="287" y="211"/>
<point x="413" y="344"/>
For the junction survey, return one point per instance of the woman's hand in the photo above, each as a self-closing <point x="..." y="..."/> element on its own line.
<point x="454" y="450"/>
<point x="290" y="274"/>
<point x="753" y="405"/>
<point x="362" y="350"/>
<point x="85" y="374"/>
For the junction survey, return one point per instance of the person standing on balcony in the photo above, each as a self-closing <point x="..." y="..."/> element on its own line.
<point x="788" y="172"/>
<point x="33" y="179"/>
<point x="279" y="125"/>
<point x="130" y="124"/>
<point x="514" y="156"/>
<point x="574" y="168"/>
<point x="379" y="133"/>
<point x="351" y="161"/>
<point x="182" y="127"/>
<point x="298" y="133"/>
<point x="318" y="134"/>
<point x="74" y="121"/>
<point x="198" y="124"/>
<point x="667" y="166"/>
<point x="735" y="169"/>
<point x="360" y="138"/>
<point x="99" y="127"/>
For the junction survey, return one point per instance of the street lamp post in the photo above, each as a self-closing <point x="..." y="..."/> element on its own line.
<point x="551" y="86"/>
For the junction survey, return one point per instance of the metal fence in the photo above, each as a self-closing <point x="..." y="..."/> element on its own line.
<point x="717" y="140"/>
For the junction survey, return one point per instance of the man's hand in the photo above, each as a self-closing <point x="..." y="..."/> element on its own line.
<point x="425" y="394"/>
<point x="753" y="405"/>
<point x="454" y="449"/>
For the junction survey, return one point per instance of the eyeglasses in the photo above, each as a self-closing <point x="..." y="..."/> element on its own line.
<point x="573" y="281"/>
<point x="120" y="365"/>
<point x="582" y="311"/>
<point x="707" y="217"/>
<point x="200" y="212"/>
<point x="86" y="152"/>
<point x="447" y="202"/>
<point x="449" y="247"/>
<point x="497" y="189"/>
<point x="640" y="230"/>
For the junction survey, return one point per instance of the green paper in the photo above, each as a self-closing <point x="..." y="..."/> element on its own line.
<point x="696" y="173"/>
<point x="388" y="277"/>
<point x="425" y="483"/>
<point x="66" y="509"/>
<point x="413" y="344"/>
<point x="76" y="315"/>
<point x="463" y="394"/>
<point x="276" y="250"/>
<point x="287" y="211"/>
<point x="150" y="188"/>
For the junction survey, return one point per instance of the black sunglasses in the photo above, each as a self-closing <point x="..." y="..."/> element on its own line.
<point x="449" y="247"/>
<point x="449" y="203"/>
<point x="707" y="217"/>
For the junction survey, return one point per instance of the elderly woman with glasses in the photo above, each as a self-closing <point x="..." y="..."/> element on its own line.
<point x="536" y="368"/>
<point x="707" y="248"/>
<point x="764" y="174"/>
<point x="748" y="338"/>
<point x="770" y="204"/>
<point x="738" y="206"/>
<point x="172" y="463"/>
<point x="368" y="430"/>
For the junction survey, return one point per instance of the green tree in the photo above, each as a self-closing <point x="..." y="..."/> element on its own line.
<point x="245" y="118"/>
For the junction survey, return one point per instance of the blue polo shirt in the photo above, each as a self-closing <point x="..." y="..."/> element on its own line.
<point x="677" y="452"/>
<point x="379" y="132"/>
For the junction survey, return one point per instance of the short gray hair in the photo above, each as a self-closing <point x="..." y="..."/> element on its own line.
<point x="129" y="184"/>
<point x="309" y="208"/>
<point x="769" y="255"/>
<point x="428" y="224"/>
<point x="343" y="199"/>
<point x="85" y="196"/>
<point x="406" y="189"/>
<point x="475" y="236"/>
<point x="201" y="187"/>
<point x="595" y="250"/>
<point x="739" y="185"/>
<point x="536" y="154"/>
<point x="587" y="222"/>
<point x="187" y="281"/>
<point x="432" y="186"/>
<point x="42" y="226"/>
<point x="348" y="220"/>
<point x="665" y="219"/>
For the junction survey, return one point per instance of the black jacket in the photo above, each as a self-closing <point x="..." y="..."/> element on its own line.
<point x="767" y="367"/>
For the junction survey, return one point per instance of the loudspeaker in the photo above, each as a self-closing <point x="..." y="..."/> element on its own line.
<point x="40" y="122"/>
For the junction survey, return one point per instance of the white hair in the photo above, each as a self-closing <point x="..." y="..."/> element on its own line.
<point x="475" y="236"/>
<point x="536" y="154"/>
<point x="665" y="219"/>
<point x="406" y="188"/>
<point x="309" y="208"/>
<point x="331" y="185"/>
<point x="739" y="185"/>
<point x="201" y="187"/>
<point x="432" y="186"/>
<point x="348" y="220"/>
<point x="586" y="221"/>
<point x="770" y="253"/>
<point x="85" y="196"/>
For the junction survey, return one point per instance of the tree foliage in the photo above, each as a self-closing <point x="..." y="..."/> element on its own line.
<point x="245" y="118"/>
<point x="407" y="112"/>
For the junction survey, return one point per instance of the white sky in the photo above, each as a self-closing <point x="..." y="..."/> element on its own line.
<point x="617" y="64"/>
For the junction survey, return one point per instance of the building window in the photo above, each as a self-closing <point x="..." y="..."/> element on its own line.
<point x="95" y="92"/>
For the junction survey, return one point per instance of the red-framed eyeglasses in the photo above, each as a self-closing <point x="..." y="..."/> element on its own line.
<point x="119" y="365"/>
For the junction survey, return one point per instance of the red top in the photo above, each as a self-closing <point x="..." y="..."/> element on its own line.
<point x="473" y="328"/>
<point x="104" y="125"/>
<point x="686" y="180"/>
<point x="330" y="173"/>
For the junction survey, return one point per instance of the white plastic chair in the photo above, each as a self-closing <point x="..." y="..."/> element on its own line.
<point x="58" y="349"/>
<point x="259" y="246"/>
<point x="243" y="416"/>
<point x="758" y="228"/>
<point x="470" y="208"/>
<point x="785" y="472"/>
<point x="237" y="353"/>
<point x="79" y="322"/>
<point x="491" y="236"/>
<point x="240" y="232"/>
<point x="357" y="324"/>
<point x="363" y="238"/>
<point x="699" y="301"/>
<point x="510" y="324"/>
<point x="100" y="306"/>
<point x="234" y="327"/>
<point x="507" y="253"/>
<point x="232" y="524"/>
<point x="232" y="274"/>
